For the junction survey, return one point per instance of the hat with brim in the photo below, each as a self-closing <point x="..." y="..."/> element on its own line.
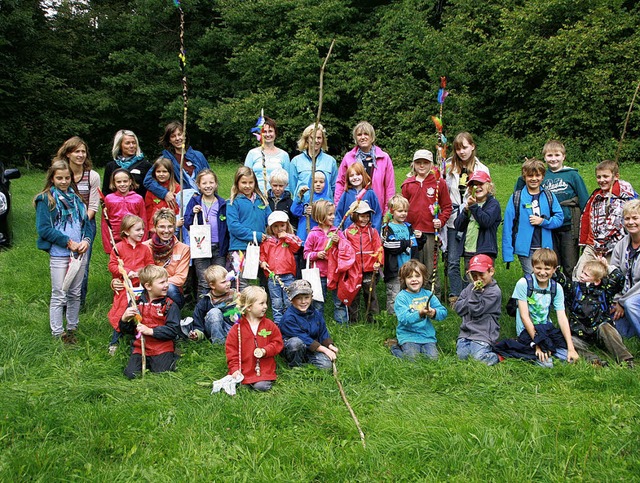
<point x="363" y="207"/>
<point x="480" y="263"/>
<point x="277" y="216"/>
<point x="299" y="287"/>
<point x="479" y="177"/>
<point x="423" y="154"/>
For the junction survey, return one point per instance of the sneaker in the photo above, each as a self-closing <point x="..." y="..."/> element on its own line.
<point x="390" y="343"/>
<point x="452" y="300"/>
<point x="113" y="349"/>
<point x="69" y="337"/>
<point x="629" y="363"/>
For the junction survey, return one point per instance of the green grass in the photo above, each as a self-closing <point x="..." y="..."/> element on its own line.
<point x="68" y="413"/>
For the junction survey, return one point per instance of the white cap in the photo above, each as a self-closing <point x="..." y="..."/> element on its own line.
<point x="277" y="216"/>
<point x="423" y="154"/>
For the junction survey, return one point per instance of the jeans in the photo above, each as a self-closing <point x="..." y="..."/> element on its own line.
<point x="393" y="289"/>
<point x="59" y="299"/>
<point x="279" y="298"/>
<point x="175" y="294"/>
<point x="629" y="325"/>
<point x="202" y="264"/>
<point x="261" y="386"/>
<point x="216" y="326"/>
<point x="425" y="256"/>
<point x="455" y="249"/>
<point x="87" y="256"/>
<point x="160" y="363"/>
<point x="566" y="248"/>
<point x="560" y="353"/>
<point x="296" y="354"/>
<point x="366" y="293"/>
<point x="411" y="350"/>
<point x="525" y="262"/>
<point x="480" y="351"/>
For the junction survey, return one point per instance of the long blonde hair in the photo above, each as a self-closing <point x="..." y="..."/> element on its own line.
<point x="246" y="171"/>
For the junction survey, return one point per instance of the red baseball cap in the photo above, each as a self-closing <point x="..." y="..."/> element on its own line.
<point x="480" y="263"/>
<point x="480" y="177"/>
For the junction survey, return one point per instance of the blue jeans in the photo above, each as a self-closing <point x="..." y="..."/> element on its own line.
<point x="279" y="298"/>
<point x="216" y="326"/>
<point x="525" y="262"/>
<point x="411" y="350"/>
<point x="87" y="255"/>
<point x="175" y="294"/>
<point x="201" y="264"/>
<point x="560" y="353"/>
<point x="296" y="354"/>
<point x="455" y="250"/>
<point x="480" y="351"/>
<point x="629" y="325"/>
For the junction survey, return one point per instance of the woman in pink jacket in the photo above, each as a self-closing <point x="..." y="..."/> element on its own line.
<point x="376" y="162"/>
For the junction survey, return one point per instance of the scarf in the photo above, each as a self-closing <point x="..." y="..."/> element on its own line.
<point x="162" y="250"/>
<point x="126" y="163"/>
<point x="368" y="160"/>
<point x="69" y="207"/>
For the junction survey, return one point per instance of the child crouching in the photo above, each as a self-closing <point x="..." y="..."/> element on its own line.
<point x="306" y="336"/>
<point x="253" y="343"/>
<point x="157" y="319"/>
<point x="415" y="307"/>
<point x="480" y="306"/>
<point x="211" y="318"/>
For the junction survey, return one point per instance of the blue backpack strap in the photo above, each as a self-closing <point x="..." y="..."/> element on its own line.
<point x="529" y="278"/>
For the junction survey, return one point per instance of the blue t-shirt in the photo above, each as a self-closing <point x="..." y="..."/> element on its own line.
<point x="539" y="303"/>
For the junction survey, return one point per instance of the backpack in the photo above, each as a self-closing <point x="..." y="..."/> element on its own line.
<point x="512" y="304"/>
<point x="516" y="204"/>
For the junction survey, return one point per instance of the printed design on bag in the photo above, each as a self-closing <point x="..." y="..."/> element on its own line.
<point x="199" y="240"/>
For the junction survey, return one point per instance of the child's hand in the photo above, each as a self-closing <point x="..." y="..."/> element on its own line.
<point x="282" y="234"/>
<point x="617" y="311"/>
<point x="471" y="200"/>
<point x="170" y="199"/>
<point x="478" y="285"/>
<point x="196" y="335"/>
<point x="144" y="330"/>
<point x="376" y="266"/>
<point x="260" y="352"/>
<point x="542" y="355"/>
<point x="264" y="237"/>
<point x="321" y="255"/>
<point x="236" y="374"/>
<point x="417" y="233"/>
<point x="302" y="191"/>
<point x="117" y="285"/>
<point x="535" y="220"/>
<point x="307" y="210"/>
<point x="328" y="352"/>
<point x="264" y="266"/>
<point x="83" y="246"/>
<point x="179" y="222"/>
<point x="132" y="274"/>
<point x="572" y="356"/>
<point x="428" y="312"/>
<point x="437" y="224"/>
<point x="333" y="348"/>
<point x="334" y="237"/>
<point x="130" y="313"/>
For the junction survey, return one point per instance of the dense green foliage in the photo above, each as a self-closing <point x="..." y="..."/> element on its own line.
<point x="68" y="413"/>
<point x="519" y="73"/>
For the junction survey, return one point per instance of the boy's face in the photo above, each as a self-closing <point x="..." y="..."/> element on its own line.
<point x="632" y="223"/>
<point x="400" y="215"/>
<point x="543" y="273"/>
<point x="533" y="180"/>
<point x="363" y="219"/>
<point x="158" y="288"/>
<point x="587" y="277"/>
<point x="554" y="159"/>
<point x="318" y="183"/>
<point x="220" y="287"/>
<point x="605" y="179"/>
<point x="302" y="302"/>
<point x="484" y="277"/>
<point x="414" y="282"/>
<point x="277" y="189"/>
<point x="422" y="167"/>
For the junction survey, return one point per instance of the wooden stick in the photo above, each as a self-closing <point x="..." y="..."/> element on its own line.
<point x="314" y="155"/>
<point x="344" y="398"/>
<point x="185" y="101"/>
<point x="626" y="122"/>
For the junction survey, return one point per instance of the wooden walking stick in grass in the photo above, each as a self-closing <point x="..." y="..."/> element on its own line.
<point x="626" y="122"/>
<point x="344" y="398"/>
<point x="185" y="101"/>
<point x="312" y="144"/>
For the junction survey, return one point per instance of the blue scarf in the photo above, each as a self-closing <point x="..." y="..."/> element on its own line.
<point x="126" y="163"/>
<point x="69" y="207"/>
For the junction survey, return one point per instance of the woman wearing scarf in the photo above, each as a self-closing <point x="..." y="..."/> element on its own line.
<point x="376" y="162"/>
<point x="63" y="231"/>
<point x="169" y="253"/>
<point x="127" y="155"/>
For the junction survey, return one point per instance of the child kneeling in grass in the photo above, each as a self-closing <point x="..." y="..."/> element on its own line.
<point x="157" y="319"/>
<point x="306" y="338"/>
<point x="211" y="318"/>
<point x="538" y="339"/>
<point x="253" y="343"/>
<point x="480" y="306"/>
<point x="415" y="307"/>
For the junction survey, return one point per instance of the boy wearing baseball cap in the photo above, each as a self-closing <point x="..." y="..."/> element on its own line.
<point x="306" y="338"/>
<point x="480" y="306"/>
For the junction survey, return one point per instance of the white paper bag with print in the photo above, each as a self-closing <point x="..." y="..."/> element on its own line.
<point x="251" y="260"/>
<point x="200" y="239"/>
<point x="312" y="275"/>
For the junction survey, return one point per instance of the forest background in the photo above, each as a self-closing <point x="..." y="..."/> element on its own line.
<point x="519" y="73"/>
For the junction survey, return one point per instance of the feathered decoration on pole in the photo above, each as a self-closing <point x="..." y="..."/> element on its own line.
<point x="258" y="132"/>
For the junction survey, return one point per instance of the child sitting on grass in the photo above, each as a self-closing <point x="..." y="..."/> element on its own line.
<point x="210" y="317"/>
<point x="157" y="319"/>
<point x="589" y="301"/>
<point x="601" y="221"/>
<point x="415" y="307"/>
<point x="480" y="306"/>
<point x="399" y="241"/>
<point x="538" y="339"/>
<point x="306" y="338"/>
<point x="253" y="343"/>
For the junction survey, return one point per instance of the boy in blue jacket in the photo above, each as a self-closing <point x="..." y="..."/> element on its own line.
<point x="305" y="334"/>
<point x="528" y="226"/>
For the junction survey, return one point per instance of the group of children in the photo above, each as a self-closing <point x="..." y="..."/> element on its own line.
<point x="349" y="244"/>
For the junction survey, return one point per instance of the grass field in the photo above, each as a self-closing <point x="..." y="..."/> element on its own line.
<point x="68" y="413"/>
